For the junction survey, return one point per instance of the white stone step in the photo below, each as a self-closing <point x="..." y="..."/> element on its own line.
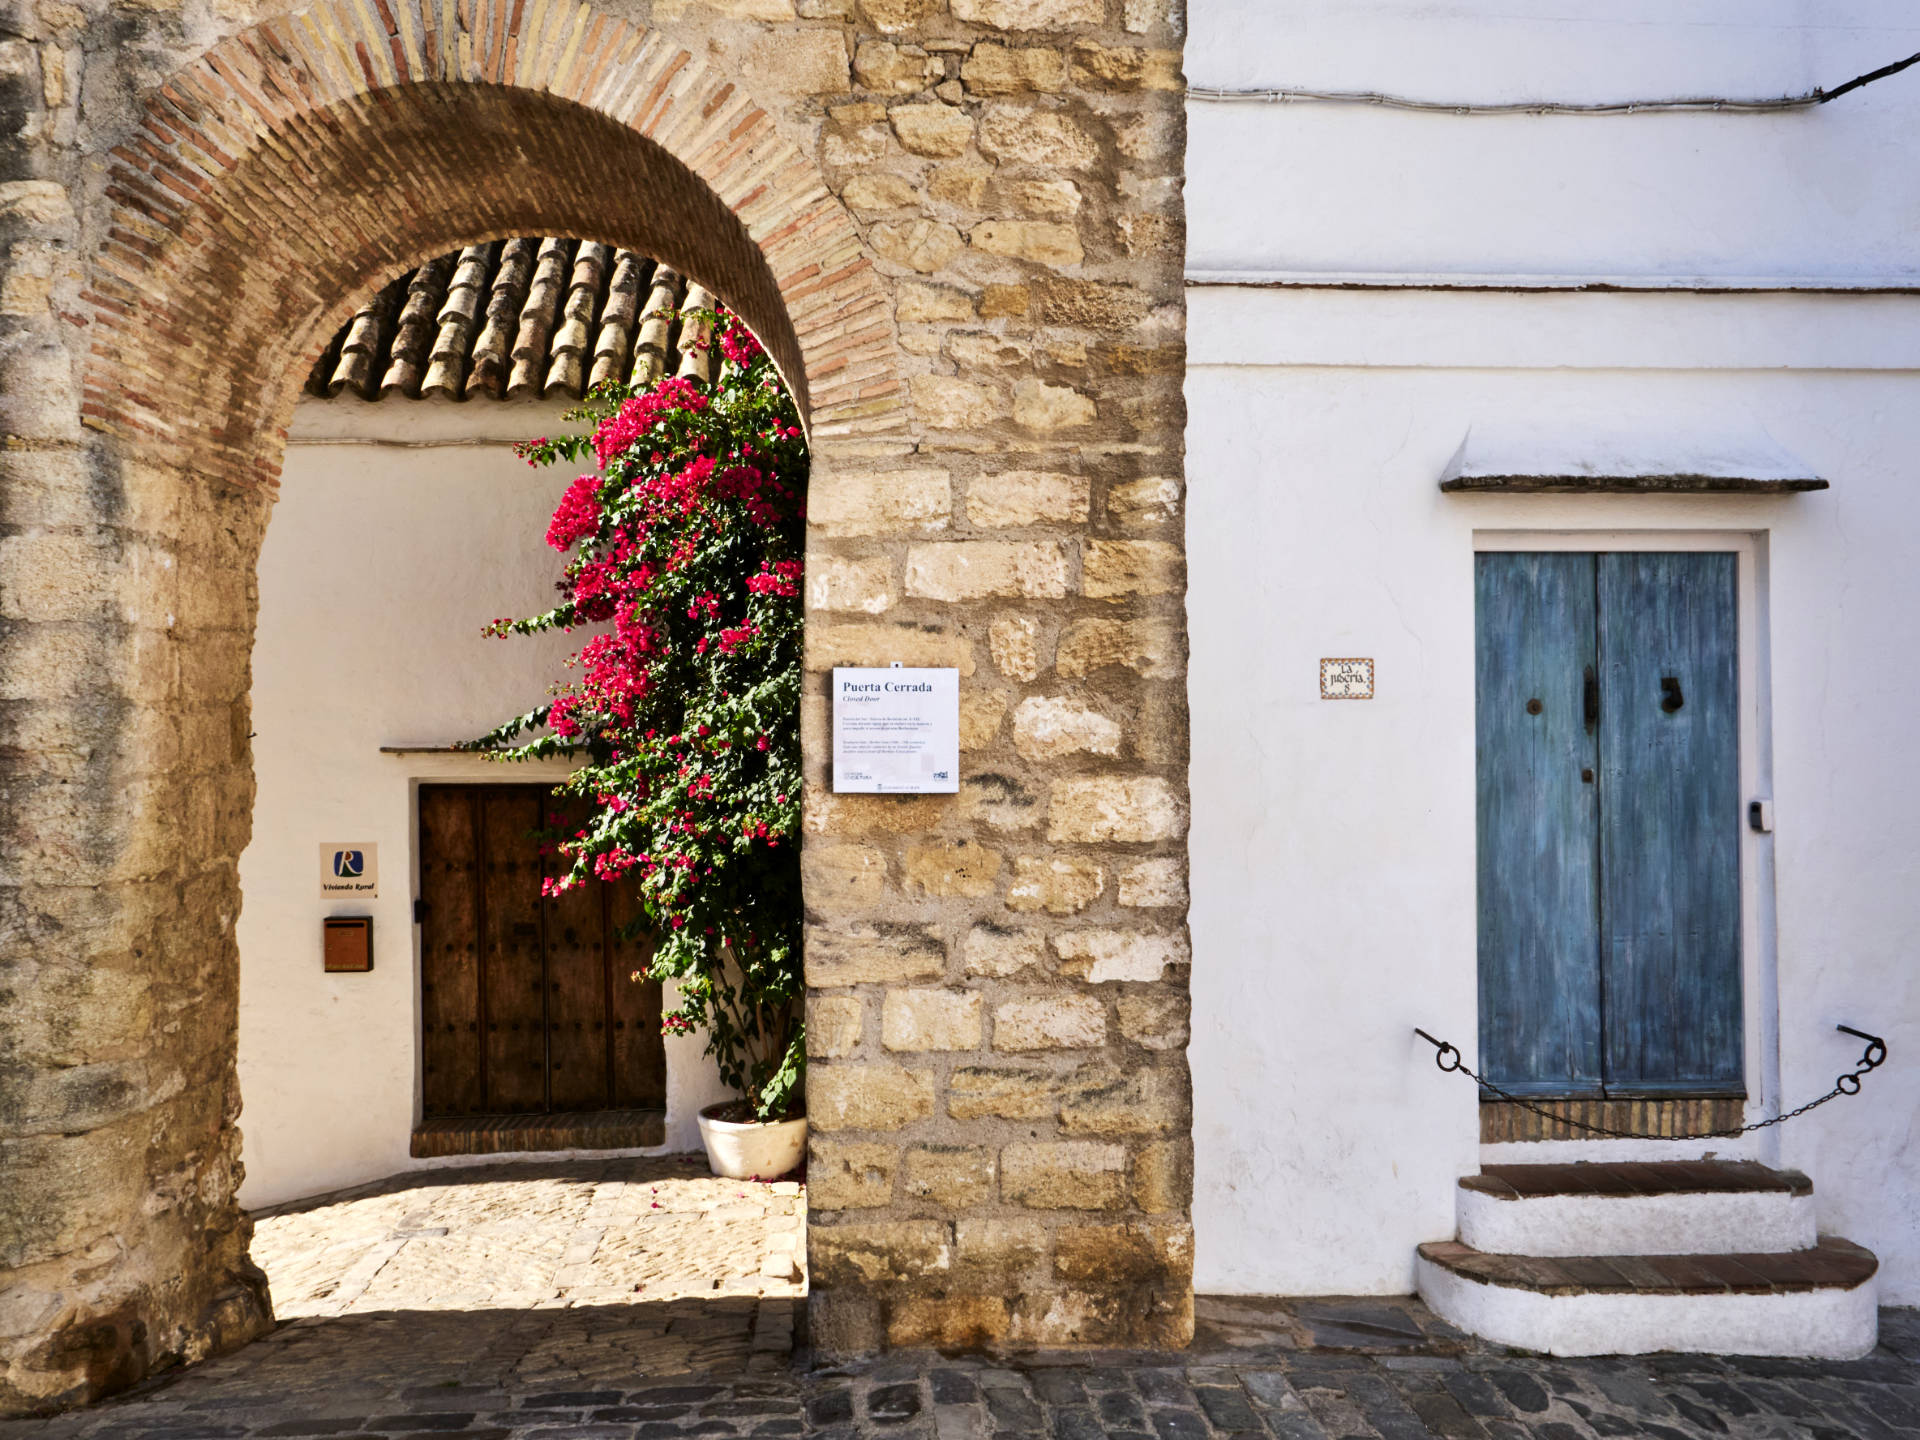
<point x="1820" y="1303"/>
<point x="1707" y="1207"/>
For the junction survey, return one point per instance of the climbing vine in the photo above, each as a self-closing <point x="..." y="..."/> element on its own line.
<point x="684" y="560"/>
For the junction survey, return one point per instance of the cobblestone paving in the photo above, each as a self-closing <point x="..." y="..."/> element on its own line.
<point x="521" y="1236"/>
<point x="467" y="1340"/>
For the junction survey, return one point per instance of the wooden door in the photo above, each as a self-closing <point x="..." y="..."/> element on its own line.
<point x="527" y="1003"/>
<point x="1607" y="697"/>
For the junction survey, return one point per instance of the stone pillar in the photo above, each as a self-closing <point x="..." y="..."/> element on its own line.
<point x="997" y="1013"/>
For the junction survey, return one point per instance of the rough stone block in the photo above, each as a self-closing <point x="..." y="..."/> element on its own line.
<point x="850" y="1175"/>
<point x="1000" y="1248"/>
<point x="979" y="569"/>
<point x="921" y="303"/>
<point x="1162" y="1177"/>
<point x="1045" y="139"/>
<point x="1013" y="642"/>
<point x="881" y="644"/>
<point x="981" y="712"/>
<point x="954" y="1177"/>
<point x="1048" y="727"/>
<point x="999" y="302"/>
<point x="922" y="245"/>
<point x="1030" y="14"/>
<point x="996" y="952"/>
<point x="876" y="191"/>
<point x="1131" y="809"/>
<point x="1048" y="408"/>
<point x="1140" y="503"/>
<point x="802" y="62"/>
<point x="895" y="69"/>
<point x="948" y="403"/>
<point x="938" y="130"/>
<point x="1027" y="497"/>
<point x="843" y="877"/>
<point x="1125" y="67"/>
<point x="947" y="1322"/>
<point x="1139" y="1252"/>
<point x="1064" y="1175"/>
<point x="852" y="1096"/>
<point x="956" y="868"/>
<point x="834" y="583"/>
<point x="878" y="1252"/>
<point x="1057" y="884"/>
<point x="1154" y="883"/>
<point x="1142" y="1101"/>
<point x="894" y="16"/>
<point x="1151" y="649"/>
<point x="995" y="70"/>
<point x="880" y="503"/>
<point x="960" y="183"/>
<point x="1113" y="569"/>
<point x="1154" y="1020"/>
<point x="835" y="1024"/>
<point x="1044" y="242"/>
<point x="1136" y="956"/>
<point x="1053" y="199"/>
<point x="931" y="1020"/>
<point x="873" y="955"/>
<point x="1050" y="1022"/>
<point x="977" y="1093"/>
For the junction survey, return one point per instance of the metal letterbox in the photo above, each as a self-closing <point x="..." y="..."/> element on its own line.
<point x="348" y="943"/>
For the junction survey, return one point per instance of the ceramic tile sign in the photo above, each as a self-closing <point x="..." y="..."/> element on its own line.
<point x="1346" y="678"/>
<point x="896" y="731"/>
<point x="349" y="870"/>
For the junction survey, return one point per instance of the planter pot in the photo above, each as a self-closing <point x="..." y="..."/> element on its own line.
<point x="752" y="1149"/>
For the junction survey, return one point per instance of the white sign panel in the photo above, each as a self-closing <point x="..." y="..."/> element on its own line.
<point x="1346" y="678"/>
<point x="896" y="731"/>
<point x="349" y="870"/>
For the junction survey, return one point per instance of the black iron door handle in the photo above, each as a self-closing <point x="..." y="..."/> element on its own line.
<point x="1592" y="698"/>
<point x="1671" y="697"/>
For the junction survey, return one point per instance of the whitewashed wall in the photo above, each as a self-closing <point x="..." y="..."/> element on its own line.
<point x="1332" y="852"/>
<point x="382" y="562"/>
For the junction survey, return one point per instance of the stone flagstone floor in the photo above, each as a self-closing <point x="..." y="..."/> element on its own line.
<point x="499" y="1303"/>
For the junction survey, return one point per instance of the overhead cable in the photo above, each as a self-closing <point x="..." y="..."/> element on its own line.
<point x="1556" y="107"/>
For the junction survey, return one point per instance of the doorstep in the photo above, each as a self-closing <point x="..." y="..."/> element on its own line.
<point x="510" y="1134"/>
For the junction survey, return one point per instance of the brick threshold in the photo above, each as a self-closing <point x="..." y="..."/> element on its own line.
<point x="1625" y="1179"/>
<point x="507" y="1134"/>
<point x="1834" y="1264"/>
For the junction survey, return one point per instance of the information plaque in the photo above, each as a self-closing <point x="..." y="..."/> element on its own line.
<point x="896" y="731"/>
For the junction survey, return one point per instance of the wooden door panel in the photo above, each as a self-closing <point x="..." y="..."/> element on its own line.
<point x="1538" y="890"/>
<point x="450" y="1001"/>
<point x="577" y="1038"/>
<point x="511" y="948"/>
<point x="1670" y="823"/>
<point x="639" y="1053"/>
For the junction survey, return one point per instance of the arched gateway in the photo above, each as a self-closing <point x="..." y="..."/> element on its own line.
<point x="957" y="232"/>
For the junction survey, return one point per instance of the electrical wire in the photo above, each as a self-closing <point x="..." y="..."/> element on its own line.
<point x="1557" y="107"/>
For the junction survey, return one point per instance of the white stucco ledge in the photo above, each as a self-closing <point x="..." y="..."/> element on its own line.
<point x="1820" y="1303"/>
<point x="1509" y="459"/>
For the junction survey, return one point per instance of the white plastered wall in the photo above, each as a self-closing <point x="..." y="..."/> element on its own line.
<point x="1332" y="844"/>
<point x="385" y="556"/>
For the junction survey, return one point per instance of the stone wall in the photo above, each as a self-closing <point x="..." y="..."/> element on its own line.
<point x="958" y="223"/>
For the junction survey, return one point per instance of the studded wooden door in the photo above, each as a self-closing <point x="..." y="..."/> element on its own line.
<point x="527" y="1005"/>
<point x="1607" y="730"/>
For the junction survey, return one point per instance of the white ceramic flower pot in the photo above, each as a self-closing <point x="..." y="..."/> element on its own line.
<point x="751" y="1150"/>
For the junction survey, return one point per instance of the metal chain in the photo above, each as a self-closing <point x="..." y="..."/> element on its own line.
<point x="1449" y="1059"/>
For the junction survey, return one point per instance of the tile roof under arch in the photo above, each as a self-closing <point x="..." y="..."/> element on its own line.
<point x="532" y="318"/>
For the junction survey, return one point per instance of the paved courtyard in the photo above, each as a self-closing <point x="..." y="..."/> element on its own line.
<point x="555" y="1302"/>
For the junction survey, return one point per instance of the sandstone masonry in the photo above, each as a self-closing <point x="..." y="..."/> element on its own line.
<point x="956" y="224"/>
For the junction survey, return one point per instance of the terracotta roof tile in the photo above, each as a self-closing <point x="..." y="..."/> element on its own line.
<point x="528" y="318"/>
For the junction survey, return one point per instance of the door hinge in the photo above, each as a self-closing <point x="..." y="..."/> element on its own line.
<point x="419" y="911"/>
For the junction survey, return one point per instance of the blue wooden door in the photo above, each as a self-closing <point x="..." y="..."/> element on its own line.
<point x="1670" y="824"/>
<point x="1608" y="827"/>
<point x="1538" y="824"/>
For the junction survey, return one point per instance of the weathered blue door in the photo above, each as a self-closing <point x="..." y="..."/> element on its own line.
<point x="1607" y="693"/>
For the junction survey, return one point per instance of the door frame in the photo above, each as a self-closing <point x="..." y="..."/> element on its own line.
<point x="1759" y="957"/>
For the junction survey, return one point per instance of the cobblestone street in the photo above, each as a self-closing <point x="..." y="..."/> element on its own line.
<point x="502" y="1302"/>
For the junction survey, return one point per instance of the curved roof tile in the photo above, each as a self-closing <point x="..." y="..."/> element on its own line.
<point x="528" y="318"/>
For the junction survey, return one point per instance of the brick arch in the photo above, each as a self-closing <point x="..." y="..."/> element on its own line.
<point x="303" y="161"/>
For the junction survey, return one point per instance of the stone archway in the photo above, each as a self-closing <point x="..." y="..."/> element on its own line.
<point x="999" y="1093"/>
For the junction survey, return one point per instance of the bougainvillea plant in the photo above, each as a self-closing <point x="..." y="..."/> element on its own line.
<point x="684" y="561"/>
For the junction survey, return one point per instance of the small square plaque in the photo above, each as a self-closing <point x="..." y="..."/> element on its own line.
<point x="1346" y="678"/>
<point x="896" y="731"/>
